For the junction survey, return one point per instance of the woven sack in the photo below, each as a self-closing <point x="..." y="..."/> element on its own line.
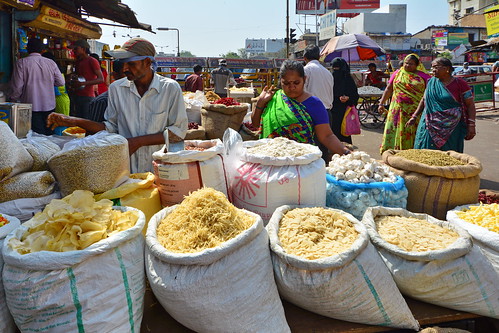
<point x="196" y="134"/>
<point x="248" y="134"/>
<point x="216" y="118"/>
<point x="433" y="189"/>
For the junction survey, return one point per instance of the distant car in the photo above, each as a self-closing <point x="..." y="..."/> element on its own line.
<point x="252" y="73"/>
<point x="475" y="69"/>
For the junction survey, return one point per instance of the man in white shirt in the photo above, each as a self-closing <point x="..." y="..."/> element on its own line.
<point x="146" y="108"/>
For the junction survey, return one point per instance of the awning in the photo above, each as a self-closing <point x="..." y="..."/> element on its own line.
<point x="112" y="10"/>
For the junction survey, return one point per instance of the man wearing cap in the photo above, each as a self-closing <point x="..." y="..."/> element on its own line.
<point x="146" y="108"/>
<point x="88" y="73"/>
<point x="221" y="78"/>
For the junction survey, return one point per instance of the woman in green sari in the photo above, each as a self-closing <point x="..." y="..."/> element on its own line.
<point x="448" y="111"/>
<point x="293" y="113"/>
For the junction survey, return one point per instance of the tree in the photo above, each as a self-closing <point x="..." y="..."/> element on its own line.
<point x="230" y="55"/>
<point x="243" y="53"/>
<point x="187" y="54"/>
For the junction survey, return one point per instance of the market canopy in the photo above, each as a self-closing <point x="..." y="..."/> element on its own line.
<point x="352" y="47"/>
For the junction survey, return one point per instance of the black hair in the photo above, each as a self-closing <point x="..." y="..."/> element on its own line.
<point x="444" y="62"/>
<point x="197" y="68"/>
<point x="372" y="64"/>
<point x="118" y="66"/>
<point x="48" y="55"/>
<point x="35" y="45"/>
<point x="413" y="57"/>
<point x="95" y="55"/>
<point x="312" y="52"/>
<point x="291" y="65"/>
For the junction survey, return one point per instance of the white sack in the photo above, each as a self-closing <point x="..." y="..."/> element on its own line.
<point x="41" y="149"/>
<point x="459" y="277"/>
<point x="354" y="286"/>
<point x="179" y="173"/>
<point x="14" y="158"/>
<point x="7" y="324"/>
<point x="98" y="289"/>
<point x="229" y="288"/>
<point x="487" y="240"/>
<point x="26" y="208"/>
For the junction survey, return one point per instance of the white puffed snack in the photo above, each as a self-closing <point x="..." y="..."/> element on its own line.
<point x="281" y="147"/>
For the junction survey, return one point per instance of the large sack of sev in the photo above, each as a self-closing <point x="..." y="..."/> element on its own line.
<point x="26" y="208"/>
<point x="74" y="286"/>
<point x="216" y="118"/>
<point x="269" y="173"/>
<point x="6" y="321"/>
<point x="181" y="172"/>
<point x="324" y="262"/>
<point x="96" y="163"/>
<point x="41" y="149"/>
<point x="434" y="261"/>
<point x="208" y="264"/>
<point x="482" y="222"/>
<point x="14" y="158"/>
<point x="436" y="189"/>
<point x="35" y="184"/>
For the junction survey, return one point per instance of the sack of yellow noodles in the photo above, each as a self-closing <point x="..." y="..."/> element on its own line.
<point x="77" y="266"/>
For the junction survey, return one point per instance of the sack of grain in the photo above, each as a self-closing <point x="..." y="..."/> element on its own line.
<point x="41" y="149"/>
<point x="34" y="184"/>
<point x="226" y="288"/>
<point x="216" y="118"/>
<point x="97" y="289"/>
<point x="482" y="222"/>
<point x="436" y="189"/>
<point x="434" y="261"/>
<point x="14" y="158"/>
<point x="200" y="165"/>
<point x="25" y="208"/>
<point x="101" y="161"/>
<point x="7" y="324"/>
<point x="260" y="182"/>
<point x="350" y="283"/>
<point x="196" y="134"/>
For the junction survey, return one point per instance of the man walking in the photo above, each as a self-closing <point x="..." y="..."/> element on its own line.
<point x="222" y="78"/>
<point x="33" y="81"/>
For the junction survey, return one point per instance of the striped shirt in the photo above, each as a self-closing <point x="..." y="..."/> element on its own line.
<point x="97" y="107"/>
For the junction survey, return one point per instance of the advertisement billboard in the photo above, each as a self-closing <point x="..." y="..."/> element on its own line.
<point x="327" y="25"/>
<point x="492" y="21"/>
<point x="353" y="6"/>
<point x="255" y="45"/>
<point x="439" y="37"/>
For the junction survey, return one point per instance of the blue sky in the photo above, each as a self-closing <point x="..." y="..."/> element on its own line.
<point x="210" y="28"/>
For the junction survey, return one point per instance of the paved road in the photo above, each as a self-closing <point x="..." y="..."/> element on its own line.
<point x="485" y="146"/>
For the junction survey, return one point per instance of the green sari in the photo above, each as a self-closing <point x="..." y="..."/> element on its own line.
<point x="286" y="117"/>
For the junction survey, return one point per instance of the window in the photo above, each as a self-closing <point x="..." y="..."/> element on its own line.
<point x="469" y="10"/>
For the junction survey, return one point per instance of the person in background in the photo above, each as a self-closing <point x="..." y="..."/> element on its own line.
<point x="375" y="77"/>
<point x="88" y="70"/>
<point x="33" y="80"/>
<point x="221" y="78"/>
<point x="98" y="106"/>
<point x="101" y="87"/>
<point x="345" y="95"/>
<point x="319" y="83"/>
<point x="62" y="102"/>
<point x="293" y="113"/>
<point x="448" y="108"/>
<point x="194" y="82"/>
<point x="466" y="70"/>
<point x="405" y="88"/>
<point x="495" y="66"/>
<point x="146" y="108"/>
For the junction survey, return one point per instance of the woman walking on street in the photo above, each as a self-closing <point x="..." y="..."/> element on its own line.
<point x="407" y="86"/>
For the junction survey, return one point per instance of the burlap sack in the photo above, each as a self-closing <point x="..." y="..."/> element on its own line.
<point x="435" y="190"/>
<point x="196" y="134"/>
<point x="216" y="118"/>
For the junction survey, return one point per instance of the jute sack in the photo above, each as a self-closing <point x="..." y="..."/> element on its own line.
<point x="458" y="277"/>
<point x="228" y="288"/>
<point x="97" y="289"/>
<point x="354" y="285"/>
<point x="7" y="324"/>
<point x="196" y="134"/>
<point x="216" y="118"/>
<point x="434" y="190"/>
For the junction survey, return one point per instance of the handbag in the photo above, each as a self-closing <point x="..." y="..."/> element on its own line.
<point x="351" y="122"/>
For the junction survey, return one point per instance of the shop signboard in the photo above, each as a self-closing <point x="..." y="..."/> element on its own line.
<point x="327" y="25"/>
<point x="492" y="21"/>
<point x="308" y="7"/>
<point x="183" y="62"/>
<point x="255" y="45"/>
<point x="242" y="63"/>
<point x="439" y="37"/>
<point x="458" y="38"/>
<point x="483" y="91"/>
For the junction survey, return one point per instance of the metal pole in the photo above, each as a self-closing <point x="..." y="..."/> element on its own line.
<point x="178" y="37"/>
<point x="287" y="28"/>
<point x="316" y="24"/>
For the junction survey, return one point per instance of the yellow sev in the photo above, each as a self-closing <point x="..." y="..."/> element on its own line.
<point x="205" y="219"/>
<point x="486" y="216"/>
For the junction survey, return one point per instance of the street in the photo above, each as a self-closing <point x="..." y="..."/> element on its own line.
<point x="485" y="146"/>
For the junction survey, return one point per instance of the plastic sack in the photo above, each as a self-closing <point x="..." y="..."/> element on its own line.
<point x="487" y="240"/>
<point x="26" y="208"/>
<point x="139" y="192"/>
<point x="181" y="172"/>
<point x="228" y="288"/>
<point x="97" y="289"/>
<point x="101" y="161"/>
<point x="14" y="158"/>
<point x="7" y="324"/>
<point x="457" y="277"/>
<point x="193" y="104"/>
<point x="351" y="122"/>
<point x="354" y="285"/>
<point x="41" y="149"/>
<point x="355" y="198"/>
<point x="34" y="184"/>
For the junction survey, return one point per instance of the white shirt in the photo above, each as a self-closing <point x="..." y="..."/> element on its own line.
<point x="159" y="110"/>
<point x="319" y="83"/>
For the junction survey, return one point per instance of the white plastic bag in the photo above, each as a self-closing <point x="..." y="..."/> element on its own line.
<point x="181" y="172"/>
<point x="14" y="158"/>
<point x="7" y="324"/>
<point x="353" y="286"/>
<point x="487" y="240"/>
<point x="41" y="149"/>
<point x="25" y="208"/>
<point x="458" y="277"/>
<point x="229" y="288"/>
<point x="98" y="289"/>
